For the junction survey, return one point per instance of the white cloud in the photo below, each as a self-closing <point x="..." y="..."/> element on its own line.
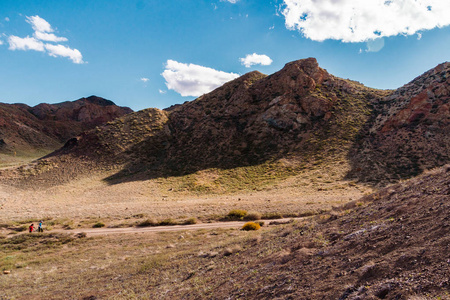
<point x="162" y="92"/>
<point x="143" y="79"/>
<point x="193" y="80"/>
<point x="49" y="37"/>
<point x="7" y="19"/>
<point x="39" y="24"/>
<point x="61" y="50"/>
<point x="360" y="21"/>
<point x="26" y="43"/>
<point x="1" y="42"/>
<point x="231" y="1"/>
<point x="256" y="59"/>
<point x="43" y="32"/>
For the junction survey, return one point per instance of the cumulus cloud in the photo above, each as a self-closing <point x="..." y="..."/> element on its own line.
<point x="39" y="24"/>
<point x="61" y="50"/>
<point x="26" y="43"/>
<point x="193" y="80"/>
<point x="361" y="21"/>
<point x="43" y="33"/>
<point x="256" y="59"/>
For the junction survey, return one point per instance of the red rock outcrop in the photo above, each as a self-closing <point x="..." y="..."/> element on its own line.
<point x="410" y="130"/>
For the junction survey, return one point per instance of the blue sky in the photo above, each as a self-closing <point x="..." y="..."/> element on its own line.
<point x="148" y="53"/>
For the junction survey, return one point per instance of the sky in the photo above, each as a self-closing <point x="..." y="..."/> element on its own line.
<point x="155" y="53"/>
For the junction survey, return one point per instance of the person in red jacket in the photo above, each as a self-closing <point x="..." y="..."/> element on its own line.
<point x="31" y="228"/>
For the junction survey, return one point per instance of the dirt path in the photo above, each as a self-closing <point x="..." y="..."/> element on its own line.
<point x="130" y="230"/>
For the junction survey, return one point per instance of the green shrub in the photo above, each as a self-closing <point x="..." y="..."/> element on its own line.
<point x="237" y="214"/>
<point x="251" y="226"/>
<point x="253" y="216"/>
<point x="98" y="225"/>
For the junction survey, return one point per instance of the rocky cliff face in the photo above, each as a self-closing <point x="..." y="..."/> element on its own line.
<point x="45" y="127"/>
<point x="409" y="131"/>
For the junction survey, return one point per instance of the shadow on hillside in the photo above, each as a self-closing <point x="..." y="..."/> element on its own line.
<point x="163" y="156"/>
<point x="380" y="157"/>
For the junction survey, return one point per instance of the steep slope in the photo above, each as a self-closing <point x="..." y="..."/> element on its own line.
<point x="394" y="244"/>
<point x="409" y="131"/>
<point x="300" y="113"/>
<point x="45" y="127"/>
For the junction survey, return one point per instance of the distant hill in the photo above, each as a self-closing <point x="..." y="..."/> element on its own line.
<point x="46" y="127"/>
<point x="299" y="117"/>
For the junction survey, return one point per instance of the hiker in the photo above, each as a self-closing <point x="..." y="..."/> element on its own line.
<point x="40" y="227"/>
<point x="31" y="228"/>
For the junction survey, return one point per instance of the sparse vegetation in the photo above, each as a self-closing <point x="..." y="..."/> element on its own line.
<point x="98" y="225"/>
<point x="251" y="226"/>
<point x="252" y="216"/>
<point x="237" y="214"/>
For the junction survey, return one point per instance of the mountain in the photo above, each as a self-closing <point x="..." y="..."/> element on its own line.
<point x="299" y="117"/>
<point x="409" y="131"/>
<point x="301" y="112"/>
<point x="46" y="127"/>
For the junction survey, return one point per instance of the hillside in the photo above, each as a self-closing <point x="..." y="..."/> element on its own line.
<point x="300" y="118"/>
<point x="26" y="130"/>
<point x="409" y="131"/>
<point x="393" y="244"/>
<point x="301" y="113"/>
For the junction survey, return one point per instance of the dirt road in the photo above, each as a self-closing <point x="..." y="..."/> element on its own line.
<point x="130" y="230"/>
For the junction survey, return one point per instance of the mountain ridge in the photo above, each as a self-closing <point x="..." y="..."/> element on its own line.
<point x="301" y="115"/>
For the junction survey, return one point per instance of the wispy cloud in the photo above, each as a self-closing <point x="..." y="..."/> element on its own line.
<point x="162" y="92"/>
<point x="49" y="37"/>
<point x="194" y="80"/>
<point x="61" y="50"/>
<point x="7" y="19"/>
<point x="43" y="32"/>
<point x="231" y="1"/>
<point x="144" y="79"/>
<point x="361" y="21"/>
<point x="256" y="59"/>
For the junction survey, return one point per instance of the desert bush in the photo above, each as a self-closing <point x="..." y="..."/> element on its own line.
<point x="167" y="222"/>
<point x="252" y="216"/>
<point x="272" y="216"/>
<point x="251" y="226"/>
<point x="98" y="225"/>
<point x="237" y="214"/>
<point x="146" y="223"/>
<point x="190" y="221"/>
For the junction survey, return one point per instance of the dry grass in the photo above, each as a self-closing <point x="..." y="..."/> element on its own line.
<point x="90" y="197"/>
<point x="139" y="266"/>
